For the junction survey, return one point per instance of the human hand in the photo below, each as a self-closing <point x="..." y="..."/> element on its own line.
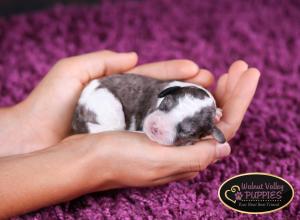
<point x="132" y="159"/>
<point x="44" y="118"/>
<point x="87" y="163"/>
<point x="233" y="94"/>
<point x="95" y="162"/>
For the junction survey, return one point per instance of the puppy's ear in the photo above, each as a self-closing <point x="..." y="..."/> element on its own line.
<point x="168" y="91"/>
<point x="218" y="135"/>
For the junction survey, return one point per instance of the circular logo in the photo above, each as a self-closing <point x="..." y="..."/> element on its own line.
<point x="256" y="193"/>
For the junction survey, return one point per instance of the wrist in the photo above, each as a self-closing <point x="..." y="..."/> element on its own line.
<point x="50" y="176"/>
<point x="89" y="163"/>
<point x="10" y="129"/>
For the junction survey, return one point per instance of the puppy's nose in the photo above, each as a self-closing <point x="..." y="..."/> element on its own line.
<point x="155" y="130"/>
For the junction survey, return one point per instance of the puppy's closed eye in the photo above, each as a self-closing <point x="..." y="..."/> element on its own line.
<point x="186" y="129"/>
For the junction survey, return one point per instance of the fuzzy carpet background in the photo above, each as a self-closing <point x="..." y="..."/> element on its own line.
<point x="213" y="33"/>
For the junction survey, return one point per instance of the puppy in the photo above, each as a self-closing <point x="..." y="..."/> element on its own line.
<point x="168" y="112"/>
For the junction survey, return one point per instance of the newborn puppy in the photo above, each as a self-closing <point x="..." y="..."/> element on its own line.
<point x="169" y="112"/>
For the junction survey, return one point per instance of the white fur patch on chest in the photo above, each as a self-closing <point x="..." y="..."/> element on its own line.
<point x="108" y="109"/>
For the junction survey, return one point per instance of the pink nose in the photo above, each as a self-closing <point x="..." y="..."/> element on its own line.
<point x="155" y="130"/>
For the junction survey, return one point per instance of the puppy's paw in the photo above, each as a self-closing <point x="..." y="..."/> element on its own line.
<point x="218" y="115"/>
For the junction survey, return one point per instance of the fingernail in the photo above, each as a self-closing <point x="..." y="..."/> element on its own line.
<point x="223" y="150"/>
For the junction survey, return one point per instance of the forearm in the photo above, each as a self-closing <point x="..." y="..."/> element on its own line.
<point x="39" y="179"/>
<point x="18" y="132"/>
<point x="12" y="131"/>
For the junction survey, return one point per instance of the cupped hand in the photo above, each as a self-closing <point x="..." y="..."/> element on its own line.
<point x="95" y="162"/>
<point x="132" y="159"/>
<point x="44" y="118"/>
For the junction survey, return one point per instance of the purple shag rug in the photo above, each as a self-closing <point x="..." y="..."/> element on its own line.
<point x="213" y="34"/>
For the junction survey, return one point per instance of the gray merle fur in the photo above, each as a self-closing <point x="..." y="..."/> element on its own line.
<point x="138" y="96"/>
<point x="81" y="117"/>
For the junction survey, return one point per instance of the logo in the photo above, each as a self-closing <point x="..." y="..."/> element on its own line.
<point x="256" y="193"/>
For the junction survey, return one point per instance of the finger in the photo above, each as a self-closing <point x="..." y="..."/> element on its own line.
<point x="177" y="177"/>
<point x="236" y="106"/>
<point x="203" y="78"/>
<point x="191" y="175"/>
<point x="73" y="137"/>
<point x="71" y="74"/>
<point x="193" y="158"/>
<point x="221" y="90"/>
<point x="167" y="70"/>
<point x="87" y="67"/>
<point x="235" y="72"/>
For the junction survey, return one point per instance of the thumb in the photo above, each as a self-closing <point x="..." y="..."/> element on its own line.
<point x="195" y="158"/>
<point x="70" y="75"/>
<point x="87" y="67"/>
<point x="54" y="99"/>
<point x="65" y="81"/>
